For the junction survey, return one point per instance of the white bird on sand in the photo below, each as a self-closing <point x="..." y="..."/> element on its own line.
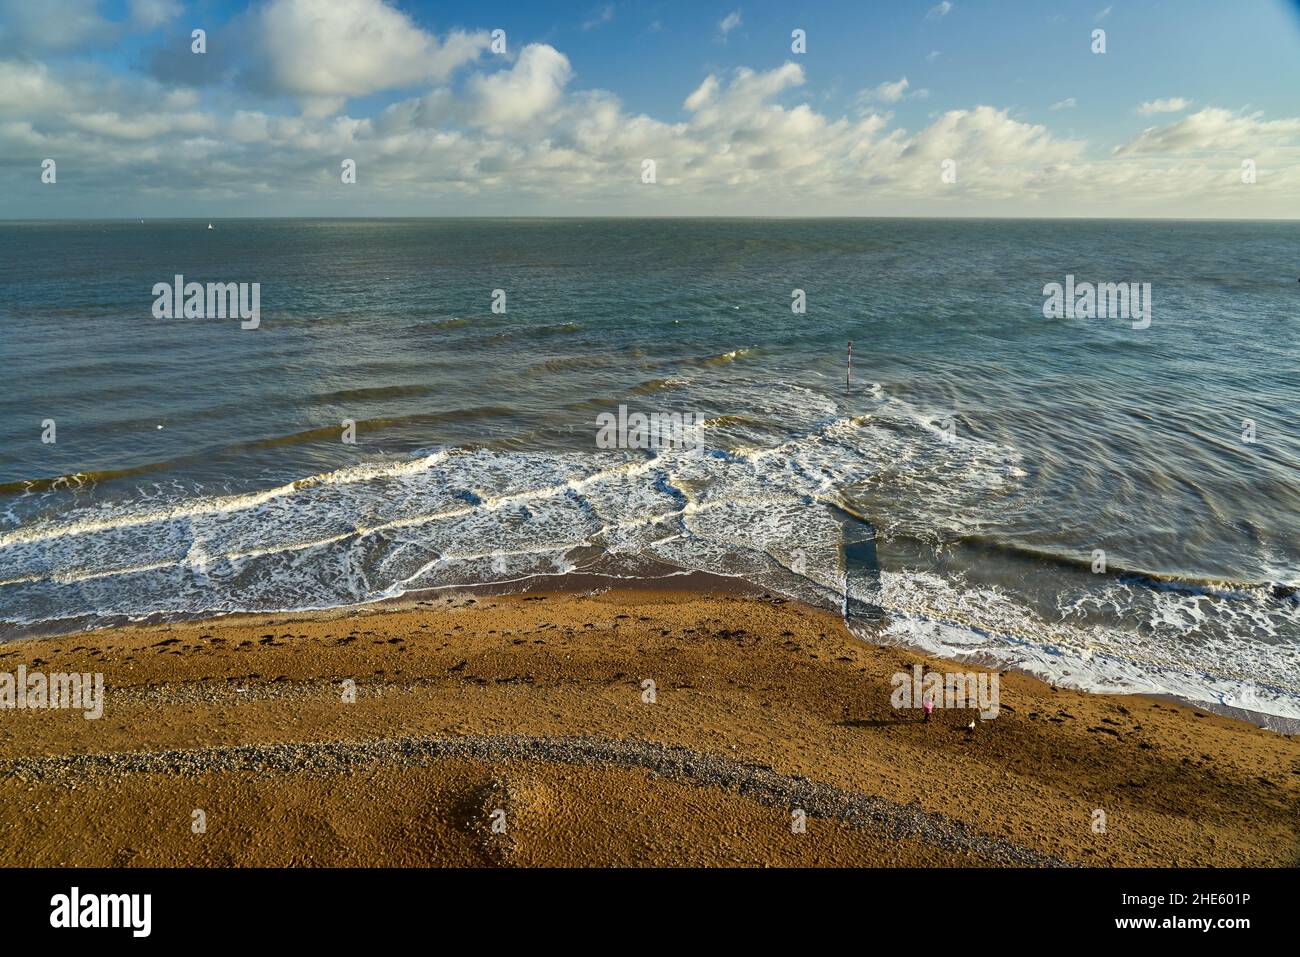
<point x="971" y="726"/>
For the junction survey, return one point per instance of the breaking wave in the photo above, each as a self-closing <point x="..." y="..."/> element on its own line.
<point x="847" y="510"/>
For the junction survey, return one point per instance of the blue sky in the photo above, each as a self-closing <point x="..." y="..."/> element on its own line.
<point x="1011" y="93"/>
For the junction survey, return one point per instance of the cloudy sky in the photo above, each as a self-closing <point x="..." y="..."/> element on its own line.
<point x="736" y="121"/>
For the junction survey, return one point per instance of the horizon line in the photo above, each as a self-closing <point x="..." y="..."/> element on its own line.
<point x="1004" y="218"/>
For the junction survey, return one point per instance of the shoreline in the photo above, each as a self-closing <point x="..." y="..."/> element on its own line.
<point x="533" y="703"/>
<point x="671" y="579"/>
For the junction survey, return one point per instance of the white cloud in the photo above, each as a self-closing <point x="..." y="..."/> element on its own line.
<point x="1216" y="130"/>
<point x="29" y="89"/>
<point x="1174" y="104"/>
<point x="151" y="127"/>
<point x="729" y="23"/>
<point x="1103" y="14"/>
<point x="702" y="94"/>
<point x="1066" y="104"/>
<point x="250" y="127"/>
<point x="939" y="10"/>
<point x="148" y="14"/>
<point x="328" y="50"/>
<point x="932" y="56"/>
<point x="528" y="89"/>
<point x="39" y="26"/>
<point x="745" y="94"/>
<point x="516" y="137"/>
<point x="988" y="137"/>
<point x="891" y="92"/>
<point x="602" y="16"/>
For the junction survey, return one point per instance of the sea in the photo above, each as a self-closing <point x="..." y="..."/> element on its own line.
<point x="1107" y="502"/>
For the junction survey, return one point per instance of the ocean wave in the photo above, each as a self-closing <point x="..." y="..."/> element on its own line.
<point x="789" y="513"/>
<point x="1160" y="646"/>
<point x="539" y="331"/>
<point x="651" y="386"/>
<point x="404" y="391"/>
<point x="330" y="433"/>
<point x="1145" y="578"/>
<point x="559" y="365"/>
<point x="719" y="359"/>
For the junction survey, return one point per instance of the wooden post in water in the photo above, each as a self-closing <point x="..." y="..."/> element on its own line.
<point x="849" y="374"/>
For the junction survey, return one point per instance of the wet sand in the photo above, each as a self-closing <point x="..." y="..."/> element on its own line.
<point x="518" y="730"/>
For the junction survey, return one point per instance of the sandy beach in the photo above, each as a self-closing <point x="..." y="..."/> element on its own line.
<point x="372" y="736"/>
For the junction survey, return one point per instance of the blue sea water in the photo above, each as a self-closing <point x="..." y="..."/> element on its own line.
<point x="956" y="495"/>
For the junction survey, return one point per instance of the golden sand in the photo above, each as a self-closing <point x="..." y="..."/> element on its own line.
<point x="531" y="713"/>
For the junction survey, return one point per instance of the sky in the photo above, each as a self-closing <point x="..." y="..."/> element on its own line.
<point x="650" y="108"/>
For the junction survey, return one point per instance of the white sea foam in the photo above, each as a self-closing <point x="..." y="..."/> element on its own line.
<point x="1172" y="652"/>
<point x="766" y="502"/>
